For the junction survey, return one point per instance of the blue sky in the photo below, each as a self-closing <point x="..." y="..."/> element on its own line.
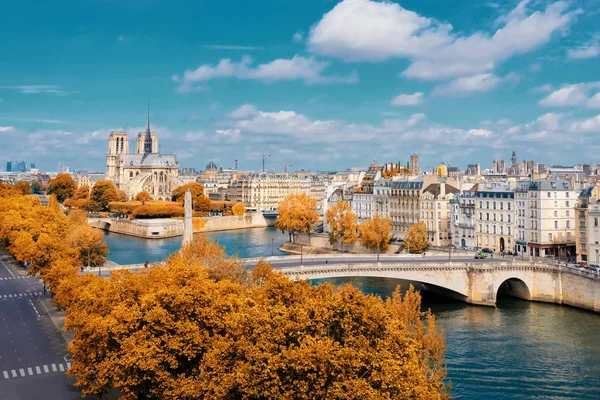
<point x="318" y="84"/>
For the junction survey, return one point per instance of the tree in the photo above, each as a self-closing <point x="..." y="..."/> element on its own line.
<point x="122" y="195"/>
<point x="88" y="242"/>
<point x="201" y="203"/>
<point x="63" y="186"/>
<point x="83" y="192"/>
<point x="103" y="192"/>
<point x="297" y="213"/>
<point x="343" y="224"/>
<point x="143" y="196"/>
<point x="197" y="190"/>
<point x="416" y="240"/>
<point x="24" y="188"/>
<point x="375" y="234"/>
<point x="238" y="209"/>
<point x="36" y="187"/>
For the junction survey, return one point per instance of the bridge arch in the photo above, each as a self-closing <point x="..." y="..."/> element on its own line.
<point x="513" y="287"/>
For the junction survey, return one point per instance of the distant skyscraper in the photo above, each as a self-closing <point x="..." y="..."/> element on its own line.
<point x="8" y="166"/>
<point x="414" y="164"/>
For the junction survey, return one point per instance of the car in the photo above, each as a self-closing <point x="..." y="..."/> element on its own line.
<point x="480" y="256"/>
<point x="486" y="250"/>
<point x="582" y="265"/>
<point x="594" y="267"/>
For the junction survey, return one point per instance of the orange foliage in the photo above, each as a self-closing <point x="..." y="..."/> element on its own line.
<point x="63" y="187"/>
<point x="158" y="210"/>
<point x="238" y="209"/>
<point x="343" y="223"/>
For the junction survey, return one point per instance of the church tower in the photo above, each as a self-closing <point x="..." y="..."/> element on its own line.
<point x="118" y="143"/>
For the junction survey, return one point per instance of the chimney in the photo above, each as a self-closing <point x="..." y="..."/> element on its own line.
<point x="442" y="189"/>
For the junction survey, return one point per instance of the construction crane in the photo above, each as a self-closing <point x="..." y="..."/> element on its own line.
<point x="285" y="166"/>
<point x="236" y="161"/>
<point x="263" y="155"/>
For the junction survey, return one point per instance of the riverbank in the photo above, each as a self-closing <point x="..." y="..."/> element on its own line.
<point x="162" y="228"/>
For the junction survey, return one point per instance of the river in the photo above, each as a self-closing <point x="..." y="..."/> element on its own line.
<point x="519" y="350"/>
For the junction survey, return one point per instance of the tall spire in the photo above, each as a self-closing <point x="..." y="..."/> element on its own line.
<point x="148" y="138"/>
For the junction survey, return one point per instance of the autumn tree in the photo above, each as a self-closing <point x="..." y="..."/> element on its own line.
<point x="36" y="187"/>
<point x="197" y="190"/>
<point x="416" y="240"/>
<point x="24" y="188"/>
<point x="88" y="242"/>
<point x="238" y="209"/>
<point x="122" y="195"/>
<point x="63" y="187"/>
<point x="297" y="213"/>
<point x="201" y="203"/>
<point x="343" y="224"/>
<point x="375" y="233"/>
<point x="103" y="192"/>
<point x="143" y="196"/>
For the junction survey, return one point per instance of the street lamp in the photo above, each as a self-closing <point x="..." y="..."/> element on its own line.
<point x="301" y="252"/>
<point x="272" y="247"/>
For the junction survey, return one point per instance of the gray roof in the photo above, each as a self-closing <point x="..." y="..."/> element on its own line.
<point x="150" y="160"/>
<point x="414" y="185"/>
<point x="435" y="189"/>
<point x="587" y="192"/>
<point x="553" y="184"/>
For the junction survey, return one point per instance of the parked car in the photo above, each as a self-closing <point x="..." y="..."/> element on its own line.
<point x="594" y="267"/>
<point x="480" y="256"/>
<point x="486" y="250"/>
<point x="582" y="265"/>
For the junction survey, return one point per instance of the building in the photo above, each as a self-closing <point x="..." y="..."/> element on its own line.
<point x="381" y="197"/>
<point x="363" y="205"/>
<point x="435" y="212"/>
<point x="414" y="165"/>
<point x="404" y="205"/>
<point x="146" y="170"/>
<point x="495" y="216"/>
<point x="593" y="240"/>
<point x="462" y="219"/>
<point x="550" y="218"/>
<point x="498" y="167"/>
<point x="473" y="169"/>
<point x="521" y="208"/>
<point x="588" y="197"/>
<point x="82" y="178"/>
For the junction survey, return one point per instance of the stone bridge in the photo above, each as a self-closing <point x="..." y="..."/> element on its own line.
<point x="475" y="283"/>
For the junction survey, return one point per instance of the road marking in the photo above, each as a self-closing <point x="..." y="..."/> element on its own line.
<point x="38" y="370"/>
<point x="30" y="371"/>
<point x="46" y="369"/>
<point x="22" y="371"/>
<point x="62" y="369"/>
<point x="5" y="373"/>
<point x="14" y="373"/>
<point x="68" y="365"/>
<point x="21" y="295"/>
<point x="54" y="367"/>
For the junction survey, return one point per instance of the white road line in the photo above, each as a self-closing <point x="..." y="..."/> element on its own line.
<point x="54" y="367"/>
<point x="68" y="365"/>
<point x="30" y="371"/>
<point x="46" y="369"/>
<point x="38" y="370"/>
<point x="22" y="371"/>
<point x="14" y="373"/>
<point x="61" y="367"/>
<point x="5" y="373"/>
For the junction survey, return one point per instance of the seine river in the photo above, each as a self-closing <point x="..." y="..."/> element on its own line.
<point x="519" y="350"/>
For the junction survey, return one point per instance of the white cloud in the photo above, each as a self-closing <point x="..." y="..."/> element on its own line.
<point x="408" y="99"/>
<point x="6" y="129"/>
<point x="570" y="95"/>
<point x="587" y="125"/>
<point x="480" y="132"/>
<point x="298" y="36"/>
<point x="244" y="111"/>
<point x="34" y="89"/>
<point x="545" y="88"/>
<point x="365" y="30"/>
<point x="594" y="101"/>
<point x="122" y="38"/>
<point x="309" y="70"/>
<point x="468" y="85"/>
<point x="589" y="51"/>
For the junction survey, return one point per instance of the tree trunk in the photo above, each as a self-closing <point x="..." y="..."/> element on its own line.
<point x="309" y="238"/>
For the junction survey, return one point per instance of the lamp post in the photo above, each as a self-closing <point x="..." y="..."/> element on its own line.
<point x="301" y="252"/>
<point x="272" y="247"/>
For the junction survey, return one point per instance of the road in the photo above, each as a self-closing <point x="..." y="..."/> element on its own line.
<point x="32" y="351"/>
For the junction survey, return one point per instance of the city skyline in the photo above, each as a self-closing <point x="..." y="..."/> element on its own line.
<point x="456" y="85"/>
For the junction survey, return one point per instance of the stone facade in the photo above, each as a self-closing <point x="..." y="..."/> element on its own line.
<point x="435" y="212"/>
<point x="495" y="213"/>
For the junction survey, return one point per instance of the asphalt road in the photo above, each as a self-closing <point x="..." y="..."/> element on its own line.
<point x="294" y="261"/>
<point x="32" y="350"/>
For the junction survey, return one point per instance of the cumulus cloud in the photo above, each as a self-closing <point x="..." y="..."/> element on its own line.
<point x="590" y="51"/>
<point x="408" y="99"/>
<point x="587" y="125"/>
<point x="594" y="101"/>
<point x="571" y="96"/>
<point x="298" y="36"/>
<point x="6" y="129"/>
<point x="309" y="70"/>
<point x="244" y="111"/>
<point x="366" y="30"/>
<point x="35" y="89"/>
<point x="468" y="85"/>
<point x="480" y="132"/>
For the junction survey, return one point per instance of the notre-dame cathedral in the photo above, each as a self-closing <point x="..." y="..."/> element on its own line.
<point x="147" y="170"/>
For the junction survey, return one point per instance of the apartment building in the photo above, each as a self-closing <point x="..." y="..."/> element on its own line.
<point x="435" y="212"/>
<point x="404" y="202"/>
<point x="550" y="218"/>
<point x="381" y="197"/>
<point x="462" y="219"/>
<point x="588" y="197"/>
<point x="495" y="216"/>
<point x="521" y="207"/>
<point x="363" y="205"/>
<point x="593" y="232"/>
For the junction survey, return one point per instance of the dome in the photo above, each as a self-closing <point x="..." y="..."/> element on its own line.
<point x="442" y="170"/>
<point x="211" y="166"/>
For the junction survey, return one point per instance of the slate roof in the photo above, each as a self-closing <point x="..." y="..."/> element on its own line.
<point x="435" y="189"/>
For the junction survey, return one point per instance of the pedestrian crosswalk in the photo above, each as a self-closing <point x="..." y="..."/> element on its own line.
<point x="37" y="370"/>
<point x="20" y="295"/>
<point x="7" y="278"/>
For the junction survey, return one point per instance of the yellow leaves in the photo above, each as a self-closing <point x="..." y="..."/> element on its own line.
<point x="198" y="224"/>
<point x="197" y="190"/>
<point x="297" y="213"/>
<point x="375" y="233"/>
<point x="238" y="209"/>
<point x="63" y="187"/>
<point x="416" y="240"/>
<point x="343" y="223"/>
<point x="143" y="196"/>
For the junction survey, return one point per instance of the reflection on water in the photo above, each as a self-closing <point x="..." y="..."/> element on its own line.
<point x="256" y="242"/>
<point x="519" y="350"/>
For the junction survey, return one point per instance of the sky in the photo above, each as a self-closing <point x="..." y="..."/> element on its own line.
<point x="318" y="84"/>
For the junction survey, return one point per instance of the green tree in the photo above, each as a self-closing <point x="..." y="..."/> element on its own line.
<point x="63" y="187"/>
<point x="36" y="187"/>
<point x="103" y="192"/>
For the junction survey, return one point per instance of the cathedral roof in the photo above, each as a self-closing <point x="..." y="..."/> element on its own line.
<point x="150" y="160"/>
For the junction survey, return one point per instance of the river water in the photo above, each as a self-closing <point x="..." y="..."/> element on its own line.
<point x="519" y="350"/>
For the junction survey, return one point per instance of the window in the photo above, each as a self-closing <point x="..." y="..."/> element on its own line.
<point x="549" y="237"/>
<point x="567" y="193"/>
<point x="555" y="204"/>
<point x="568" y="224"/>
<point x="555" y="224"/>
<point x="508" y="217"/>
<point x="501" y="217"/>
<point x="508" y="232"/>
<point x="596" y="221"/>
<point x="480" y="204"/>
<point x="548" y="194"/>
<point x="567" y="203"/>
<point x="555" y="213"/>
<point x="494" y="205"/>
<point x="487" y="216"/>
<point x="487" y="205"/>
<point x="501" y="205"/>
<point x="502" y="230"/>
<point x="439" y="206"/>
<point x="494" y="227"/>
<point x="567" y="213"/>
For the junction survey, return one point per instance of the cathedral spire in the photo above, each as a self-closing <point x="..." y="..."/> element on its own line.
<point x="148" y="138"/>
